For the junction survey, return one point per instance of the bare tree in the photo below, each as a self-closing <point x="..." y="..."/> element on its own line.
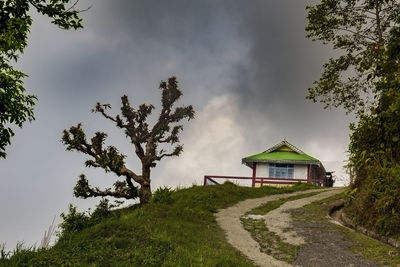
<point x="145" y="140"/>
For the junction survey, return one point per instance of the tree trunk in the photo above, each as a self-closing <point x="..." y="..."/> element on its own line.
<point x="145" y="190"/>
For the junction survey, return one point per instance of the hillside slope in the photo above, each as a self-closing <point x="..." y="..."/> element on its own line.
<point x="180" y="229"/>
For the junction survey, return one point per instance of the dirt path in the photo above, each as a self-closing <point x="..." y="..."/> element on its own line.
<point x="277" y="220"/>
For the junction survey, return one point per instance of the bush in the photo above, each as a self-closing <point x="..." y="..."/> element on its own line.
<point x="103" y="210"/>
<point x="75" y="221"/>
<point x="163" y="195"/>
<point x="376" y="204"/>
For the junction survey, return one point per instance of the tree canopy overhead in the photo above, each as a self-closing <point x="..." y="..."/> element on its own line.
<point x="148" y="143"/>
<point x="360" y="30"/>
<point x="16" y="105"/>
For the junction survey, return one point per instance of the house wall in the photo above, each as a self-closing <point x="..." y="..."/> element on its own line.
<point x="262" y="170"/>
<point x="300" y="171"/>
<point x="317" y="172"/>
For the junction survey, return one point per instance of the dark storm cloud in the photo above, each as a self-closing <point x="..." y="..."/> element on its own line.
<point x="279" y="54"/>
<point x="280" y="65"/>
<point x="277" y="63"/>
<point x="181" y="24"/>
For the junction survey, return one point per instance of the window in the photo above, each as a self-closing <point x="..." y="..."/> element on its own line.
<point x="281" y="170"/>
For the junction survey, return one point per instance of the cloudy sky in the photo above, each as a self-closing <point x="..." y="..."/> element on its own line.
<point x="244" y="67"/>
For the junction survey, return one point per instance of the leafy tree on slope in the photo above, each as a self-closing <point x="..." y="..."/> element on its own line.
<point x="146" y="143"/>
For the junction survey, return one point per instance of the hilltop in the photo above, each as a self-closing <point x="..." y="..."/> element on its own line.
<point x="178" y="228"/>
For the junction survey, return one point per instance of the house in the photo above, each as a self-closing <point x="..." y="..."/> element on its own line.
<point x="285" y="164"/>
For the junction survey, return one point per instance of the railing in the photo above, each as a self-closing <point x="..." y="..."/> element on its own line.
<point x="211" y="180"/>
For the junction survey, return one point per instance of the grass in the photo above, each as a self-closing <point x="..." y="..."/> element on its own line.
<point x="369" y="248"/>
<point x="269" y="242"/>
<point x="179" y="232"/>
<point x="267" y="207"/>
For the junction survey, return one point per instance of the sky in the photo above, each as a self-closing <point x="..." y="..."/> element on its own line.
<point x="244" y="67"/>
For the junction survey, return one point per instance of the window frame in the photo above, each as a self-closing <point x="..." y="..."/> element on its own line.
<point x="281" y="170"/>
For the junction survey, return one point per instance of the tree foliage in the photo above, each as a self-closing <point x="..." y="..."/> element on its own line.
<point x="365" y="78"/>
<point x="16" y="105"/>
<point x="148" y="143"/>
<point x="360" y="30"/>
<point x="375" y="139"/>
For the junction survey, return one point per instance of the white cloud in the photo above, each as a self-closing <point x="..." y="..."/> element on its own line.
<point x="213" y="144"/>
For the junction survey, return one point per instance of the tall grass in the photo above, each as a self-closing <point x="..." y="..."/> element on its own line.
<point x="46" y="239"/>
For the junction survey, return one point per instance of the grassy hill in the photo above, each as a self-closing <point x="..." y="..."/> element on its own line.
<point x="177" y="229"/>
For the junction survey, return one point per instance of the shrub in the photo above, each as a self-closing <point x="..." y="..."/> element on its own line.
<point x="376" y="204"/>
<point x="163" y="195"/>
<point x="103" y="210"/>
<point x="73" y="221"/>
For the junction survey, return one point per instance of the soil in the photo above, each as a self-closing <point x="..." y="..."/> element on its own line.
<point x="321" y="245"/>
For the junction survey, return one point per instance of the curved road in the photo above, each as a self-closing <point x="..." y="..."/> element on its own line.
<point x="276" y="220"/>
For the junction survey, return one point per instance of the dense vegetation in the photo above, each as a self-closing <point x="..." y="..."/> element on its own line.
<point x="178" y="228"/>
<point x="375" y="153"/>
<point x="365" y="79"/>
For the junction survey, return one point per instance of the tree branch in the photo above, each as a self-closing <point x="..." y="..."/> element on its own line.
<point x="121" y="190"/>
<point x="178" y="149"/>
<point x="100" y="108"/>
<point x="356" y="33"/>
<point x="109" y="159"/>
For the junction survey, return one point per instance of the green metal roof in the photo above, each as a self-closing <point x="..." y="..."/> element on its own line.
<point x="280" y="155"/>
<point x="283" y="152"/>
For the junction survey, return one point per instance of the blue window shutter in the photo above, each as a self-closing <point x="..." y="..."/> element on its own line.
<point x="271" y="170"/>
<point x="290" y="172"/>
